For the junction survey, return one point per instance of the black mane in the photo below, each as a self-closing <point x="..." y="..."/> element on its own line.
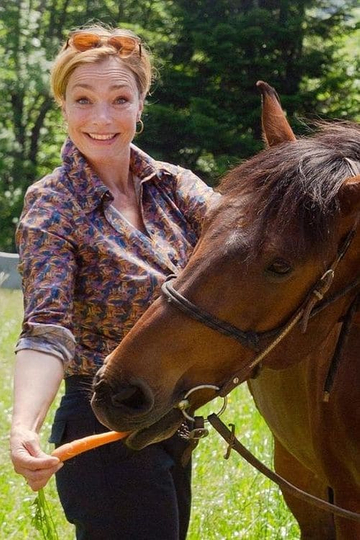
<point x="294" y="187"/>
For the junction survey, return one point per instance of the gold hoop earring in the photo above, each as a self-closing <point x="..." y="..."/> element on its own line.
<point x="141" y="127"/>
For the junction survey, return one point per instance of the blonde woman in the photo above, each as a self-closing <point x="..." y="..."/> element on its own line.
<point x="97" y="237"/>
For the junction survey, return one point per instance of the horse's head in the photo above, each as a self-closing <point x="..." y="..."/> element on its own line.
<point x="283" y="220"/>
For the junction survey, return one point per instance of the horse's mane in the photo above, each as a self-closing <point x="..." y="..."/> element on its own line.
<point x="293" y="187"/>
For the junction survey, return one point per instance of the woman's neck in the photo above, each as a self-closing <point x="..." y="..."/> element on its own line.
<point x="114" y="173"/>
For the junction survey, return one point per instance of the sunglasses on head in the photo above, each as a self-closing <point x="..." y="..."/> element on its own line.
<point x="83" y="41"/>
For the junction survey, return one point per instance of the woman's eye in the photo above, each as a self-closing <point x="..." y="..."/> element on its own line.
<point x="279" y="267"/>
<point x="120" y="100"/>
<point x="83" y="101"/>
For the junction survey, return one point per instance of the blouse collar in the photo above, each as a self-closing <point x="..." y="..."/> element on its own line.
<point x="89" y="188"/>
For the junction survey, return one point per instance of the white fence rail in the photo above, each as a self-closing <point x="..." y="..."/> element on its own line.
<point x="9" y="275"/>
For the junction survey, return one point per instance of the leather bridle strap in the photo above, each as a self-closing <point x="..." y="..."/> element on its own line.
<point x="248" y="339"/>
<point x="251" y="338"/>
<point x="313" y="304"/>
<point x="236" y="445"/>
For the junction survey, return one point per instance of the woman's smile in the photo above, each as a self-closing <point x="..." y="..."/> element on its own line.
<point x="102" y="137"/>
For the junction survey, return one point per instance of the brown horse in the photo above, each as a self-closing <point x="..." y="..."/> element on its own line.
<point x="274" y="278"/>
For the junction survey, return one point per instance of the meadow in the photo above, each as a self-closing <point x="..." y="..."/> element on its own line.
<point x="230" y="499"/>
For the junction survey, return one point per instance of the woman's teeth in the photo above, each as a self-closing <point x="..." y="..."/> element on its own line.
<point x="101" y="137"/>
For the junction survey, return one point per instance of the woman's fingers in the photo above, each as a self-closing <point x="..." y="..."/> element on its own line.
<point x="30" y="461"/>
<point x="38" y="478"/>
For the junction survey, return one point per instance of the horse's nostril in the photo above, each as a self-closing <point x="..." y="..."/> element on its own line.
<point x="133" y="398"/>
<point x="126" y="396"/>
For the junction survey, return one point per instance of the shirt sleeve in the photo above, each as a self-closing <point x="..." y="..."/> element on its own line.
<point x="48" y="269"/>
<point x="194" y="197"/>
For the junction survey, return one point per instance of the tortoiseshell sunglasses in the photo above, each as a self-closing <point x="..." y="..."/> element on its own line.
<point x="125" y="45"/>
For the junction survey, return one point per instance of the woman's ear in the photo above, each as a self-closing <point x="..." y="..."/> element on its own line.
<point x="63" y="110"/>
<point x="141" y="107"/>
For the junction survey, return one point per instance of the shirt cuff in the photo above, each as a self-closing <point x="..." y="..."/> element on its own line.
<point x="49" y="338"/>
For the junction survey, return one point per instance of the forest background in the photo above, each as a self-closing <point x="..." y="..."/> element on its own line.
<point x="204" y="109"/>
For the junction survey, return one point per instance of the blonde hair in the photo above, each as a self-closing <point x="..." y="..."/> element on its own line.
<point x="70" y="58"/>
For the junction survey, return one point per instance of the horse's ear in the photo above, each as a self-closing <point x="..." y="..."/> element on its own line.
<point x="276" y="129"/>
<point x="349" y="195"/>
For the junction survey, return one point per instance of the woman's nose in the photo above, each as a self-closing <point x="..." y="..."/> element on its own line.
<point x="102" y="114"/>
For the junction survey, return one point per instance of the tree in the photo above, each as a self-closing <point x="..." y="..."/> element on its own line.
<point x="31" y="32"/>
<point x="206" y="108"/>
<point x="204" y="111"/>
<point x="30" y="35"/>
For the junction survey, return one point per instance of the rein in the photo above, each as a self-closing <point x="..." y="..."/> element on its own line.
<point x="199" y="432"/>
<point x="235" y="444"/>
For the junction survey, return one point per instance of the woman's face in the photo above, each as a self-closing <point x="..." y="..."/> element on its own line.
<point x="101" y="107"/>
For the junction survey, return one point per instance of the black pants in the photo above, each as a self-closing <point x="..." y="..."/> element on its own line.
<point x="113" y="493"/>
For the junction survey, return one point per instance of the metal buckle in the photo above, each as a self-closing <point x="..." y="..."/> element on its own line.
<point x="199" y="431"/>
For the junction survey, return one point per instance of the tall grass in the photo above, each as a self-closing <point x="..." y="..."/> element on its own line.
<point x="17" y="507"/>
<point x="230" y="499"/>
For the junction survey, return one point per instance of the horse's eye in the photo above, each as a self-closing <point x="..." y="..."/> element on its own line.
<point x="279" y="267"/>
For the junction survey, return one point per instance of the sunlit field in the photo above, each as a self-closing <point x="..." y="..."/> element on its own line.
<point x="230" y="499"/>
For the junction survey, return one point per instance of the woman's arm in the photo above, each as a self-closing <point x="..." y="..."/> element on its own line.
<point x="194" y="198"/>
<point x="36" y="382"/>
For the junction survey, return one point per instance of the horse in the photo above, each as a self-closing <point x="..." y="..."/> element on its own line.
<point x="269" y="296"/>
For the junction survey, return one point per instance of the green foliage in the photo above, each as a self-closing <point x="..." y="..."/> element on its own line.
<point x="17" y="508"/>
<point x="204" y="112"/>
<point x="43" y="521"/>
<point x="219" y="50"/>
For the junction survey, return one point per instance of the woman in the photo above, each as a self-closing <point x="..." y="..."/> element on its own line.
<point x="96" y="239"/>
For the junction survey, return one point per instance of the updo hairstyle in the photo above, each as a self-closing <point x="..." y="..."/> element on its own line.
<point x="69" y="58"/>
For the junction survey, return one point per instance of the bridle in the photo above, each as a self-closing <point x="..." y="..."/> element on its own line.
<point x="314" y="303"/>
<point x="264" y="342"/>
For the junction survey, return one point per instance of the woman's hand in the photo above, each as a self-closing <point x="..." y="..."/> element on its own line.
<point x="29" y="460"/>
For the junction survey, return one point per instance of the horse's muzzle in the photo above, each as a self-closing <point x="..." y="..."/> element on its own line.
<point x="122" y="405"/>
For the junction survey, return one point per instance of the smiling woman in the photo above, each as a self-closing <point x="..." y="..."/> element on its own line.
<point x="97" y="238"/>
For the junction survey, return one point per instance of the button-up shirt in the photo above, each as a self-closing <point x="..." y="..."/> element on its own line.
<point x="88" y="274"/>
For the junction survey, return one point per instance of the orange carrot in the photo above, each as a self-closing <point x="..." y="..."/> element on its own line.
<point x="70" y="450"/>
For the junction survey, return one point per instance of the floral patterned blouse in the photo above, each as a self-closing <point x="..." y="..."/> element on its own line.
<point x="88" y="274"/>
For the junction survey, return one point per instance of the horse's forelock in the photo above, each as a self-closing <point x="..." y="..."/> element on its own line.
<point x="292" y="189"/>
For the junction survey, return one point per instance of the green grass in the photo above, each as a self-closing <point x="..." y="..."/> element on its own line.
<point x="230" y="499"/>
<point x="16" y="498"/>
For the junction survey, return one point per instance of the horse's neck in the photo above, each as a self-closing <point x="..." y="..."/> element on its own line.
<point x="289" y="398"/>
